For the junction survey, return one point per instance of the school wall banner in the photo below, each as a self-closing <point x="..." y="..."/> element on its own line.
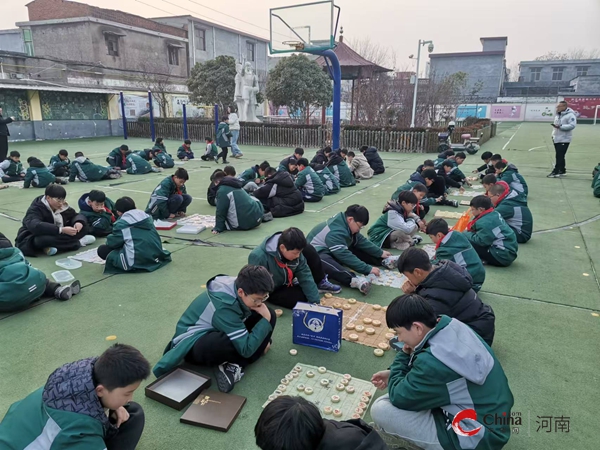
<point x="585" y="106"/>
<point x="464" y="111"/>
<point x="506" y="112"/>
<point x="540" y="112"/>
<point x="191" y="110"/>
<point x="137" y="106"/>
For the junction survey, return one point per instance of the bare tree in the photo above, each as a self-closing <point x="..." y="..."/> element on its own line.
<point x="572" y="54"/>
<point x="439" y="97"/>
<point x="374" y="52"/>
<point x="158" y="79"/>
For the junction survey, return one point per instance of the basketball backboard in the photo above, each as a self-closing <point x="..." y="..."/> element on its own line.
<point x="304" y="27"/>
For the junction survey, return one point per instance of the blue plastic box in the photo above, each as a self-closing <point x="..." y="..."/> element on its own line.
<point x="317" y="326"/>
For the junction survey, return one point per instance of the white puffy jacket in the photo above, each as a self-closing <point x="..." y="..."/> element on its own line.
<point x="566" y="122"/>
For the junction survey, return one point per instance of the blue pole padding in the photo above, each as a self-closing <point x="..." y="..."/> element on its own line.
<point x="152" y="130"/>
<point x="185" y="130"/>
<point x="216" y="119"/>
<point x="337" y="96"/>
<point x="123" y="118"/>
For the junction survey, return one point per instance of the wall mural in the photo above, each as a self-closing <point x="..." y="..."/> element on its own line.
<point x="15" y="104"/>
<point x="73" y="106"/>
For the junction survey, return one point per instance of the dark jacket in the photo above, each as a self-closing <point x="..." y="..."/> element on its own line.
<point x="374" y="160"/>
<point x="319" y="158"/>
<point x="437" y="188"/>
<point x="3" y="128"/>
<point x="38" y="221"/>
<point x="286" y="163"/>
<point x="449" y="289"/>
<point x="281" y="195"/>
<point x="38" y="175"/>
<point x="211" y="192"/>
<point x="350" y="435"/>
<point x="101" y="224"/>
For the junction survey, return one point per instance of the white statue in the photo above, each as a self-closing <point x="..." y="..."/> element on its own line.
<point x="246" y="88"/>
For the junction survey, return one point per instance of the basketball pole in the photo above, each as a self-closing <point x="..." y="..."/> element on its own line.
<point x="336" y="75"/>
<point x="123" y="117"/>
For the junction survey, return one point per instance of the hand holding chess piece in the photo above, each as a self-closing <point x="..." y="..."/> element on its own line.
<point x="408" y="287"/>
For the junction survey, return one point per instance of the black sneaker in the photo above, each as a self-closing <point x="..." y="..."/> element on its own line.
<point x="454" y="203"/>
<point x="227" y="375"/>
<point x="63" y="293"/>
<point x="553" y="174"/>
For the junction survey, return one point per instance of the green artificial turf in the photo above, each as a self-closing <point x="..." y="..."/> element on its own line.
<point x="546" y="335"/>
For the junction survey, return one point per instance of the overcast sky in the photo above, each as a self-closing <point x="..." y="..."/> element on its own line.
<point x="533" y="27"/>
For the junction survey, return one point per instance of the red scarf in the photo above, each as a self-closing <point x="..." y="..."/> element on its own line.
<point x="505" y="193"/>
<point x="472" y="222"/>
<point x="440" y="241"/>
<point x="176" y="187"/>
<point x="290" y="274"/>
<point x="112" y="216"/>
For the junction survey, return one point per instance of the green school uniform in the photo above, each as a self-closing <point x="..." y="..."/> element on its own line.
<point x="236" y="209"/>
<point x="57" y="163"/>
<point x="136" y="165"/>
<point x="38" y="177"/>
<point x="342" y="172"/>
<point x="517" y="216"/>
<point x="491" y="231"/>
<point x="157" y="205"/>
<point x="20" y="284"/>
<point x="596" y="182"/>
<point x="515" y="180"/>
<point x="86" y="170"/>
<point x="456" y="247"/>
<point x="308" y="181"/>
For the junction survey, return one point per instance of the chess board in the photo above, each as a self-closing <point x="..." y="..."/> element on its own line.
<point x="389" y="278"/>
<point x="430" y="249"/>
<point x="198" y="220"/>
<point x="457" y="193"/>
<point x="350" y="405"/>
<point x="17" y="184"/>
<point x="465" y="203"/>
<point x="90" y="256"/>
<point x="439" y="214"/>
<point x="358" y="314"/>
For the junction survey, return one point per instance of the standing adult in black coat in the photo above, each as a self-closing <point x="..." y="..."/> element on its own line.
<point x="279" y="195"/>
<point x="448" y="287"/>
<point x="374" y="159"/>
<point x="4" y="134"/>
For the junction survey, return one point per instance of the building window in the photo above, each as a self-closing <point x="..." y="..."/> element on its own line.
<point x="112" y="44"/>
<point x="173" y="56"/>
<point x="200" y="39"/>
<point x="250" y="51"/>
<point x="557" y="73"/>
<point x="582" y="71"/>
<point x="536" y="74"/>
<point x="28" y="42"/>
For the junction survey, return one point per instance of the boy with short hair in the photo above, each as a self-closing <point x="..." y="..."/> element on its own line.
<point x="290" y="167"/>
<point x="436" y="188"/>
<point x="488" y="181"/>
<point x="359" y="166"/>
<point x="50" y="225"/>
<point x="448" y="287"/>
<point x="295" y="266"/>
<point x="254" y="176"/>
<point x="147" y="154"/>
<point x="398" y="224"/>
<point x="421" y="191"/>
<point x="211" y="192"/>
<point x="133" y="244"/>
<point x="38" y="175"/>
<point x="279" y="195"/>
<point x="330" y="182"/>
<point x="99" y="210"/>
<point x="137" y="165"/>
<point x="338" y="167"/>
<point x="298" y="153"/>
<point x="373" y="159"/>
<point x="432" y="377"/>
<point x="445" y="155"/>
<point x="487" y="167"/>
<point x="513" y="210"/>
<point x="170" y="198"/>
<point x="491" y="237"/>
<point x="228" y="326"/>
<point x="340" y="244"/>
<point x="309" y="183"/>
<point x="11" y="169"/>
<point x="236" y="209"/>
<point x="211" y="152"/>
<point x="162" y="159"/>
<point x="159" y="145"/>
<point x="427" y="164"/>
<point x="510" y="174"/>
<point x="229" y="171"/>
<point x="293" y="423"/>
<point x="116" y="158"/>
<point x="320" y="159"/>
<point x="454" y="246"/>
<point x="85" y="404"/>
<point x="60" y="165"/>
<point x="453" y="175"/>
<point x="86" y="171"/>
<point x="185" y="152"/>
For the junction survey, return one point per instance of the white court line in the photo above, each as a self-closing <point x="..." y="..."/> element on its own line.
<point x="505" y="145"/>
<point x="535" y="148"/>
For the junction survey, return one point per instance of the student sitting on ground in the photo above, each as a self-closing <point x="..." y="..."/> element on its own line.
<point x="50" y="225"/>
<point x="21" y="284"/>
<point x="290" y="167"/>
<point x="360" y="166"/>
<point x="338" y="167"/>
<point x="373" y="159"/>
<point x="170" y="198"/>
<point x="427" y="164"/>
<point x="254" y="176"/>
<point x="38" y="175"/>
<point x="293" y="423"/>
<point x="398" y="226"/>
<point x="320" y="158"/>
<point x="211" y="152"/>
<point x="162" y="159"/>
<point x="340" y="244"/>
<point x="596" y="181"/>
<point x="229" y="171"/>
<point x="236" y="209"/>
<point x="509" y="205"/>
<point x="510" y="174"/>
<point x="147" y="154"/>
<point x="159" y="145"/>
<point x="185" y="152"/>
<point x="211" y="192"/>
<point x="88" y="172"/>
<point x="279" y="195"/>
<point x="436" y="188"/>
<point x="60" y="165"/>
<point x="453" y="176"/>
<point x="487" y="167"/>
<point x="488" y="181"/>
<point x="116" y="158"/>
<point x="454" y="246"/>
<point x="330" y="183"/>
<point x="445" y="155"/>
<point x="137" y="165"/>
<point x="99" y="210"/>
<point x="295" y="266"/>
<point x="298" y="153"/>
<point x="426" y="377"/>
<point x="421" y="191"/>
<point x="491" y="237"/>
<point x="448" y="287"/>
<point x="11" y="169"/>
<point x="309" y="183"/>
<point x="227" y="326"/>
<point x="85" y="404"/>
<point x="133" y="244"/>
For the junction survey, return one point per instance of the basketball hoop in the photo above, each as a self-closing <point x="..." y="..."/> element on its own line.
<point x="294" y="44"/>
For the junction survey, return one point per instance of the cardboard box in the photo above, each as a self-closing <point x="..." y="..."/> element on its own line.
<point x="214" y="410"/>
<point x="317" y="326"/>
<point x="177" y="388"/>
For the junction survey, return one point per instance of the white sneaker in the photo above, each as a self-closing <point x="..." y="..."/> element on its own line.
<point x="87" y="240"/>
<point x="391" y="262"/>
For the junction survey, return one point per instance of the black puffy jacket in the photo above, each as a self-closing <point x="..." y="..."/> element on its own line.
<point x="319" y="158"/>
<point x="448" y="288"/>
<point x="211" y="192"/>
<point x="281" y="195"/>
<point x="374" y="160"/>
<point x="350" y="435"/>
